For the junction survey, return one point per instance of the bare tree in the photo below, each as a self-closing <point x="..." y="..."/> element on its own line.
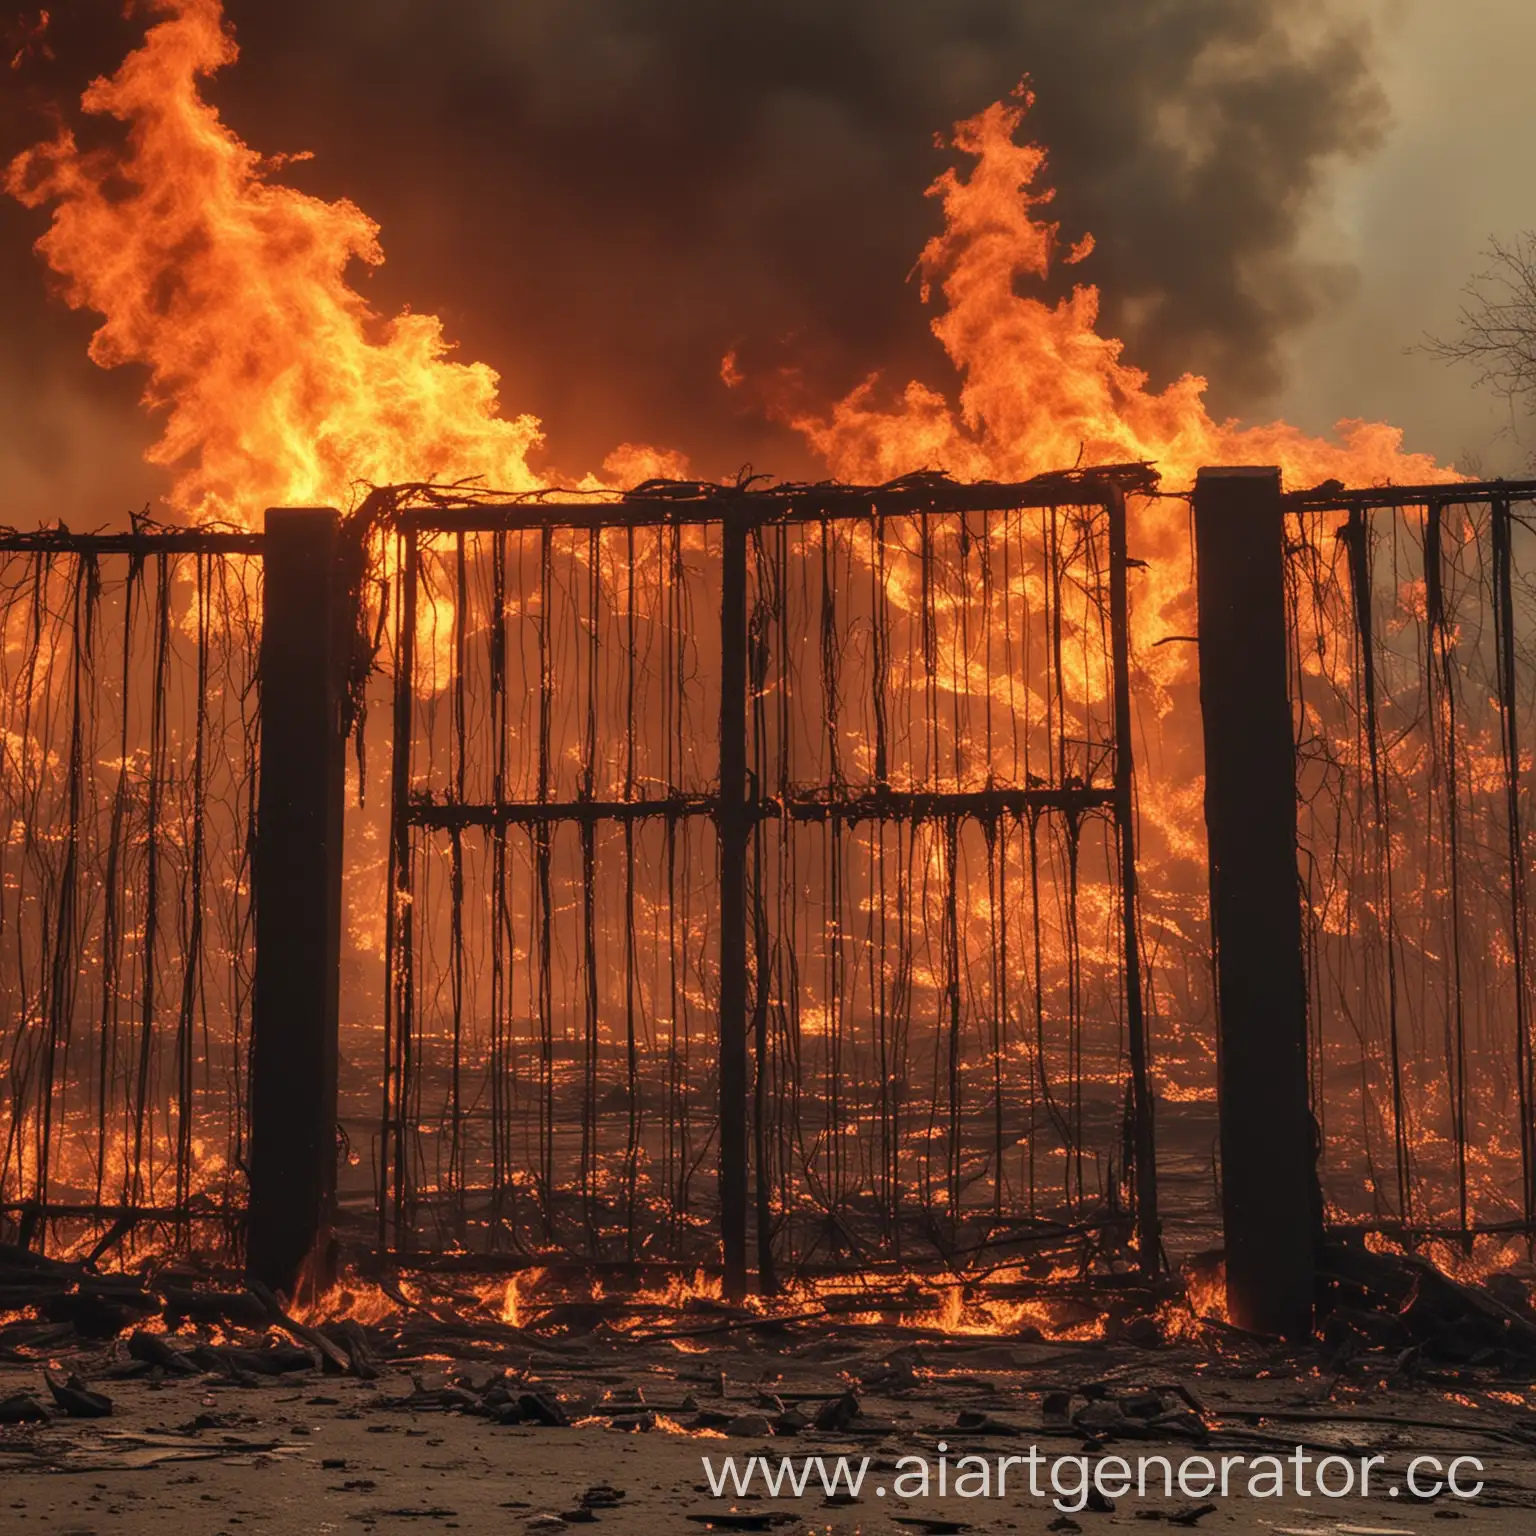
<point x="1497" y="333"/>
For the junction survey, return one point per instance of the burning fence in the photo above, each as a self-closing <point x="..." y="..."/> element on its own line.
<point x="795" y="816"/>
<point x="920" y="906"/>
<point x="805" y="872"/>
<point x="128" y="676"/>
<point x="1414" y="616"/>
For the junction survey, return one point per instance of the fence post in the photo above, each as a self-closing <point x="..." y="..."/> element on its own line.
<point x="1270" y="1208"/>
<point x="734" y="832"/>
<point x="297" y="874"/>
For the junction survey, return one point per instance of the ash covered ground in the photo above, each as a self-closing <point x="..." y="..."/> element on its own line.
<point x="182" y="1401"/>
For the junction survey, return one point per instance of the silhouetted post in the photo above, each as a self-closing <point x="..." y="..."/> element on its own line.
<point x="734" y="830"/>
<point x="297" y="878"/>
<point x="1269" y="1203"/>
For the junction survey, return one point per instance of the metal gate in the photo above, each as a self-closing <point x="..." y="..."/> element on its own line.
<point x="762" y="869"/>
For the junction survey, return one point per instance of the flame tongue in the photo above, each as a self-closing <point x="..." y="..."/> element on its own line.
<point x="280" y="384"/>
<point x="1041" y="387"/>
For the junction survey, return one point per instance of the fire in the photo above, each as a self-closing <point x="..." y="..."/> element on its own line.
<point x="279" y="384"/>
<point x="27" y="38"/>
<point x="1041" y="388"/>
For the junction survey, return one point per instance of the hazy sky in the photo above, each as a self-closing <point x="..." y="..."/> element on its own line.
<point x="836" y="125"/>
<point x="1458" y="166"/>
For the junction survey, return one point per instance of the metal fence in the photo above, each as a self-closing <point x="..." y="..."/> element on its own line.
<point x="127" y="771"/>
<point x="1414" y="680"/>
<point x="762" y="863"/>
<point x="761" y="869"/>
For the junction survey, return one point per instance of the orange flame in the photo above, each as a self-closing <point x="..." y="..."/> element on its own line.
<point x="279" y="383"/>
<point x="25" y="40"/>
<point x="1042" y="389"/>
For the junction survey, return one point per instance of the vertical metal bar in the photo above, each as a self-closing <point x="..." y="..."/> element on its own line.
<point x="879" y="979"/>
<point x="773" y="583"/>
<point x="451" y="1178"/>
<point x="1270" y="1204"/>
<point x="997" y="896"/>
<point x="678" y="1140"/>
<point x="880" y="641"/>
<point x="502" y="947"/>
<point x="950" y="947"/>
<point x="192" y="959"/>
<point x="1077" y="1141"/>
<point x="1441" y="645"/>
<point x="1143" y="1137"/>
<point x="398" y="936"/>
<point x="588" y="1166"/>
<point x="153" y="802"/>
<point x="631" y="981"/>
<point x="298" y="911"/>
<point x="542" y="858"/>
<point x="113" y="896"/>
<point x="453" y="1183"/>
<point x="63" y="965"/>
<point x="590" y="991"/>
<point x="1356" y="535"/>
<point x="734" y="829"/>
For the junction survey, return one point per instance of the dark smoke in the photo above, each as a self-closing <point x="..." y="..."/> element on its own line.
<point x="602" y="196"/>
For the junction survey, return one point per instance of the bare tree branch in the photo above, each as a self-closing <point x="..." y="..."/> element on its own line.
<point x="1498" y="322"/>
